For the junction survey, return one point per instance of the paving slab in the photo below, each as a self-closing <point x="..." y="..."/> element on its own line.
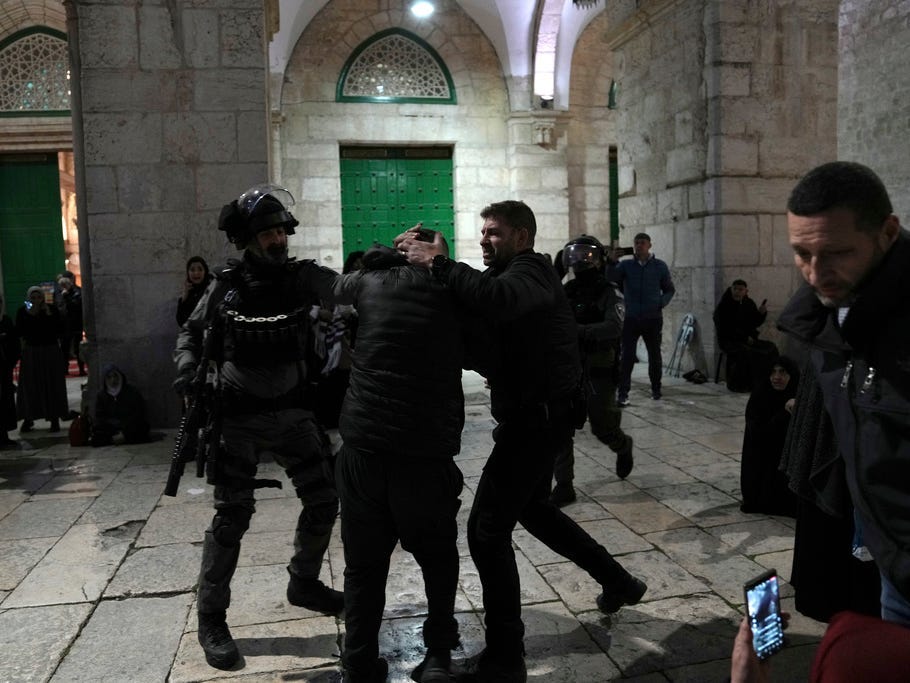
<point x="126" y="640"/>
<point x="35" y="638"/>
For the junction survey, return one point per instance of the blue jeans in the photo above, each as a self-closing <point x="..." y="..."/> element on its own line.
<point x="895" y="607"/>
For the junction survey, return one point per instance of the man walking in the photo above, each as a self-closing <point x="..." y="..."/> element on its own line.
<point x="533" y="369"/>
<point x="647" y="289"/>
<point x="854" y="313"/>
<point x="258" y="309"/>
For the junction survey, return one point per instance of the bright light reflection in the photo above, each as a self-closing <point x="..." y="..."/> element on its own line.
<point x="422" y="9"/>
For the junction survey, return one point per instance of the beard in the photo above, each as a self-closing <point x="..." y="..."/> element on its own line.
<point x="274" y="254"/>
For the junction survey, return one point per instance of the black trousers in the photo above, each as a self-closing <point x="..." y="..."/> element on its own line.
<point x="649" y="330"/>
<point x="386" y="498"/>
<point x="604" y="420"/>
<point x="300" y="448"/>
<point x="515" y="487"/>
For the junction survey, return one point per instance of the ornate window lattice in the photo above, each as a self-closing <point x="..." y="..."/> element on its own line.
<point x="395" y="66"/>
<point x="34" y="74"/>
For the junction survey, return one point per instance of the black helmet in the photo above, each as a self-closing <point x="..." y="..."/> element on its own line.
<point x="581" y="252"/>
<point x="261" y="207"/>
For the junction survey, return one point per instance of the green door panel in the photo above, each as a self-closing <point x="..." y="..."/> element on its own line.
<point x="382" y="197"/>
<point x="31" y="233"/>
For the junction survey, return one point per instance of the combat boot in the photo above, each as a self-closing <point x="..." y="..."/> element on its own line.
<point x="435" y="668"/>
<point x="314" y="595"/>
<point x="220" y="650"/>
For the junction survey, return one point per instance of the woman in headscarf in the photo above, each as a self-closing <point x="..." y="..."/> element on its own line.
<point x="197" y="279"/>
<point x="42" y="387"/>
<point x="763" y="486"/>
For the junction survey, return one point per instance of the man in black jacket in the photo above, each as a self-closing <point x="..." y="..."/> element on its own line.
<point x="533" y="367"/>
<point x="401" y="423"/>
<point x="854" y="313"/>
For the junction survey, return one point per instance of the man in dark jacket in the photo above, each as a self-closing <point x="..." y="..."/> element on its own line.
<point x="119" y="407"/>
<point x="647" y="289"/>
<point x="599" y="313"/>
<point x="533" y="369"/>
<point x="401" y="423"/>
<point x="255" y="315"/>
<point x="854" y="313"/>
<point x="736" y="320"/>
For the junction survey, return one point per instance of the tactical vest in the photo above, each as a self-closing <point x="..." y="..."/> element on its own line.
<point x="264" y="315"/>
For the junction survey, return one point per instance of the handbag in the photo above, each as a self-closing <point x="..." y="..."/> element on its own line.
<point x="80" y="429"/>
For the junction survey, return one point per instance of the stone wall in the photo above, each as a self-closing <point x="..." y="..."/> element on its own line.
<point x="722" y="106"/>
<point x="173" y="125"/>
<point x="874" y="93"/>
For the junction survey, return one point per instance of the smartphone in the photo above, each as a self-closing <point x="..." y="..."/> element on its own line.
<point x="426" y="235"/>
<point x="763" y="302"/>
<point x="763" y="610"/>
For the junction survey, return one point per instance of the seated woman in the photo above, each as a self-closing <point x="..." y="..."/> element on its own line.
<point x="764" y="488"/>
<point x="119" y="407"/>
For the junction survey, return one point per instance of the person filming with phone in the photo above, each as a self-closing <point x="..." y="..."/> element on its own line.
<point x="736" y="320"/>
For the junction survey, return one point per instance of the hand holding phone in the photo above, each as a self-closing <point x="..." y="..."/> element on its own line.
<point x="763" y="611"/>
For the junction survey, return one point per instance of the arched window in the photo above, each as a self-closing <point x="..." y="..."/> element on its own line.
<point x="395" y="66"/>
<point x="34" y="74"/>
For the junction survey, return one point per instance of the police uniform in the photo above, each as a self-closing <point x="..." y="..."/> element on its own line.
<point x="258" y="311"/>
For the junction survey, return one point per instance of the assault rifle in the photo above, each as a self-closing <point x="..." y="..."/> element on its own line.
<point x="197" y="425"/>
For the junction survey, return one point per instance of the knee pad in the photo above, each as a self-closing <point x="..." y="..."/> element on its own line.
<point x="230" y="524"/>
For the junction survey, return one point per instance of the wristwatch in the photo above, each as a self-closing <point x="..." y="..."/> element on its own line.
<point x="441" y="265"/>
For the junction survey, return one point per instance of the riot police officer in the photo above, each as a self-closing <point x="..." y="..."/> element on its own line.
<point x="599" y="312"/>
<point x="257" y="311"/>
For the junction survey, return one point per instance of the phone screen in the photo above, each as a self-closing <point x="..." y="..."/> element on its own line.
<point x="763" y="605"/>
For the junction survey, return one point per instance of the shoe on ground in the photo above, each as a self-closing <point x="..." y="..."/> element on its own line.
<point x="562" y="495"/>
<point x="55" y="425"/>
<point x="216" y="641"/>
<point x="623" y="401"/>
<point x="612" y="599"/>
<point x="27" y="426"/>
<point x="379" y="674"/>
<point x="624" y="461"/>
<point x="436" y="667"/>
<point x="7" y="443"/>
<point x="314" y="595"/>
<point x="496" y="669"/>
<point x="655" y="396"/>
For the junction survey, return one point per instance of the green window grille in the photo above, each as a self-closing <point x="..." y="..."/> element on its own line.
<point x="35" y="74"/>
<point x="395" y="66"/>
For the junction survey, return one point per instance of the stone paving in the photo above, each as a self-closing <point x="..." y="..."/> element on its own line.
<point x="98" y="568"/>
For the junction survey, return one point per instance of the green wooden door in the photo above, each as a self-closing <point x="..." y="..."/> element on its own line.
<point x="384" y="191"/>
<point x="31" y="233"/>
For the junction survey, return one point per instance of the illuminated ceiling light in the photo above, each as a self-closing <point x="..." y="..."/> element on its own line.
<point x="422" y="9"/>
<point x="584" y="4"/>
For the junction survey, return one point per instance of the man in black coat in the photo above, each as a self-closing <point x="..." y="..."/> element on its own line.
<point x="533" y="368"/>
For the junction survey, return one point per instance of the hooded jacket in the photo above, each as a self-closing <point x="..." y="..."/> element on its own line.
<point x="863" y="369"/>
<point x="127" y="407"/>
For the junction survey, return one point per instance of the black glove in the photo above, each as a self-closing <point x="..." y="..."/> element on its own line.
<point x="184" y="380"/>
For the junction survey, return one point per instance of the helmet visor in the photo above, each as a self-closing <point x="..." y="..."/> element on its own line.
<point x="248" y="201"/>
<point x="580" y="256"/>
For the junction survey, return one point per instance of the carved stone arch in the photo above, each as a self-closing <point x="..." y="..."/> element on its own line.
<point x="395" y="66"/>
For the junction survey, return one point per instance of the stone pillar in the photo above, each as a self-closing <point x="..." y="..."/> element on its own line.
<point x="723" y="105"/>
<point x="873" y="103"/>
<point x="538" y="173"/>
<point x="174" y="124"/>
